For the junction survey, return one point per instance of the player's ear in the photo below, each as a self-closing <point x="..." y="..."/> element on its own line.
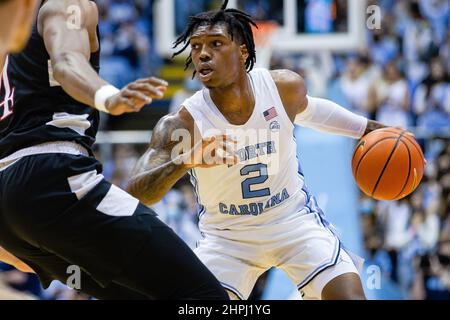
<point x="244" y="53"/>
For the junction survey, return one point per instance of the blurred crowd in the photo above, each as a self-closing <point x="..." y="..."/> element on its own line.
<point x="127" y="40"/>
<point x="401" y="79"/>
<point x="410" y="239"/>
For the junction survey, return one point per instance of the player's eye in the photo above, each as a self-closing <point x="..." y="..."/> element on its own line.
<point x="195" y="46"/>
<point x="217" y="43"/>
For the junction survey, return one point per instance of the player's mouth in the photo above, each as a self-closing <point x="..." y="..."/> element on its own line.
<point x="205" y="73"/>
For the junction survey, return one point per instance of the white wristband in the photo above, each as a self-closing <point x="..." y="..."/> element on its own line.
<point x="103" y="94"/>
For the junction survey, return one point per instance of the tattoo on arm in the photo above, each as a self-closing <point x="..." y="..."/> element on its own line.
<point x="156" y="172"/>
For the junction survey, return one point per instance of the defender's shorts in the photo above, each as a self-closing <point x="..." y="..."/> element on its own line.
<point x="57" y="211"/>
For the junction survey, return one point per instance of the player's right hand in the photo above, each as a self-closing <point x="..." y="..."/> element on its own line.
<point x="136" y="95"/>
<point x="213" y="151"/>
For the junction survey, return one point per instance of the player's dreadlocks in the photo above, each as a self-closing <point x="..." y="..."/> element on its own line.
<point x="239" y="26"/>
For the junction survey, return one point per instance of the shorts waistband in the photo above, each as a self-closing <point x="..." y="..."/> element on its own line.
<point x="66" y="147"/>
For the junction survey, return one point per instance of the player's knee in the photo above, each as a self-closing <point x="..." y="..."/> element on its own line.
<point x="346" y="294"/>
<point x="352" y="295"/>
<point x="345" y="287"/>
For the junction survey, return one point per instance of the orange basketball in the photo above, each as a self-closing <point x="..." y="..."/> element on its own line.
<point x="388" y="164"/>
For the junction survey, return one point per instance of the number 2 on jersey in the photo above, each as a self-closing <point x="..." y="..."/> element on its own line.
<point x="247" y="193"/>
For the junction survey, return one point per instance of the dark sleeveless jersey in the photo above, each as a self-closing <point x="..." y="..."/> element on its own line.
<point x="34" y="109"/>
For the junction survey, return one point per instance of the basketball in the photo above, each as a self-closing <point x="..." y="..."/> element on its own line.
<point x="388" y="164"/>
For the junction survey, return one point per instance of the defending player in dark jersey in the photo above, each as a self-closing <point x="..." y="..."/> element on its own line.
<point x="57" y="212"/>
<point x="16" y="20"/>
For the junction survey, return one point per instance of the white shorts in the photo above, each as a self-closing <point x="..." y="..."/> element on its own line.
<point x="303" y="247"/>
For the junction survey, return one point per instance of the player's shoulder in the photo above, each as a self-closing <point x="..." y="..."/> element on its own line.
<point x="292" y="90"/>
<point x="81" y="13"/>
<point x="180" y="120"/>
<point x="288" y="79"/>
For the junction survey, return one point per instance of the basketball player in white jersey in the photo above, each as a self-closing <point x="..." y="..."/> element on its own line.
<point x="16" y="20"/>
<point x="256" y="211"/>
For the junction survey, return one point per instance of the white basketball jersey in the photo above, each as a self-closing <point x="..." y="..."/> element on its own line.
<point x="266" y="186"/>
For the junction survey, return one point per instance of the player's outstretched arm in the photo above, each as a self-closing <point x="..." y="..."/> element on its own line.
<point x="69" y="31"/>
<point x="10" y="259"/>
<point x="175" y="148"/>
<point x="319" y="114"/>
<point x="159" y="168"/>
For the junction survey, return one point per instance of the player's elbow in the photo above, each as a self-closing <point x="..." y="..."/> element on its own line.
<point x="63" y="65"/>
<point x="60" y="67"/>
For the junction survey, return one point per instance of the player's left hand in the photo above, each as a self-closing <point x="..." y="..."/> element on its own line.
<point x="136" y="95"/>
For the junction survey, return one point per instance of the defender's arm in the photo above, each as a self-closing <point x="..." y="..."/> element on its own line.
<point x="69" y="41"/>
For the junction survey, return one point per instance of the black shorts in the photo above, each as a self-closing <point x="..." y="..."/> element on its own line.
<point x="57" y="211"/>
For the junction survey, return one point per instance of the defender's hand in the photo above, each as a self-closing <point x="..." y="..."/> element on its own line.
<point x="136" y="95"/>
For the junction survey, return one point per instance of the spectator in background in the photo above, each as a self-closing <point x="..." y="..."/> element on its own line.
<point x="122" y="11"/>
<point x="128" y="46"/>
<point x="389" y="96"/>
<point x="433" y="274"/>
<point x="126" y="40"/>
<point x="437" y="13"/>
<point x="396" y="217"/>
<point x="418" y="36"/>
<point x="383" y="47"/>
<point x="426" y="227"/>
<point x="432" y="98"/>
<point x="444" y="52"/>
<point x="445" y="234"/>
<point x="355" y="84"/>
<point x="417" y="44"/>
